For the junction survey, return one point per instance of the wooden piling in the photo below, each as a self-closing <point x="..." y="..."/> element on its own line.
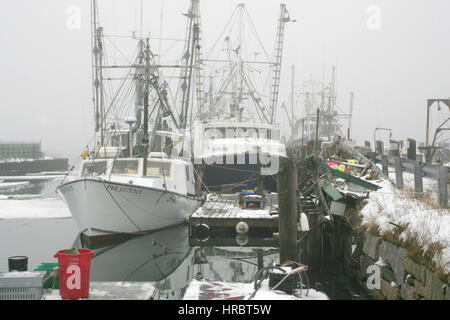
<point x="310" y="147"/>
<point x="379" y="148"/>
<point x="398" y="172"/>
<point x="287" y="210"/>
<point x="443" y="181"/>
<point x="418" y="177"/>
<point x="314" y="241"/>
<point x="385" y="164"/>
<point x="412" y="151"/>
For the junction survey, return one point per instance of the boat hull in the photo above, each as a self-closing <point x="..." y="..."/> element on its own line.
<point x="221" y="176"/>
<point x="100" y="207"/>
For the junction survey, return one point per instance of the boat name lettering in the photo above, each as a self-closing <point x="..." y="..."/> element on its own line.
<point x="123" y="189"/>
<point x="66" y="189"/>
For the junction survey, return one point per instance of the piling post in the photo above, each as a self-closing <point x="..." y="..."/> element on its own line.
<point x="260" y="257"/>
<point x="287" y="209"/>
<point x="385" y="164"/>
<point x="310" y="147"/>
<point x="398" y="172"/>
<point x="314" y="240"/>
<point x="443" y="181"/>
<point x="379" y="147"/>
<point x="394" y="149"/>
<point x="412" y="153"/>
<point x="418" y="177"/>
<point x="259" y="178"/>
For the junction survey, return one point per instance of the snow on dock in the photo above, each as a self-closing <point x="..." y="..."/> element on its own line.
<point x="224" y="211"/>
<point x="112" y="291"/>
<point x="217" y="290"/>
<point x="34" y="208"/>
<point x="7" y="185"/>
<point x="36" y="177"/>
<point x="419" y="219"/>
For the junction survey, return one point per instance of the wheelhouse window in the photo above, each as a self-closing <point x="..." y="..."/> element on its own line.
<point x="214" y="133"/>
<point x="159" y="169"/>
<point x="125" y="167"/>
<point x="240" y="133"/>
<point x="230" y="133"/>
<point x="252" y="133"/>
<point x="276" y="135"/>
<point x="91" y="168"/>
<point x="263" y="133"/>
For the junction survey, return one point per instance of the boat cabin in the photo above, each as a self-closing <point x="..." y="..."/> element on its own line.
<point x="231" y="130"/>
<point x="174" y="174"/>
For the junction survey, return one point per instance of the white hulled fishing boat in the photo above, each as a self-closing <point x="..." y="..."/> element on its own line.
<point x="131" y="181"/>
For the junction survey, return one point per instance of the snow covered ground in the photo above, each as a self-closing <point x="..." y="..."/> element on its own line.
<point x="242" y="291"/>
<point x="33" y="208"/>
<point x="420" y="219"/>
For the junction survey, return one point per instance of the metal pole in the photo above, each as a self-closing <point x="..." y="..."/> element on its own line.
<point x="292" y="93"/>
<point x="317" y="144"/>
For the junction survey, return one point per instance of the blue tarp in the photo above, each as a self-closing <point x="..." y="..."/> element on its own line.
<point x="247" y="192"/>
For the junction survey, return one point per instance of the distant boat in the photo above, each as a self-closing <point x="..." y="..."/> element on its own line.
<point x="232" y="152"/>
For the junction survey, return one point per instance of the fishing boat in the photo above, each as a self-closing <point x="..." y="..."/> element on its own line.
<point x="130" y="181"/>
<point x="235" y="138"/>
<point x="321" y="119"/>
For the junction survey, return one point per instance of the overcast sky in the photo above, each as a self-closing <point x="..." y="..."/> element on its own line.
<point x="393" y="54"/>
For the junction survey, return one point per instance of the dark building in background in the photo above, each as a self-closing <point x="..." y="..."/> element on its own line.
<point x="22" y="158"/>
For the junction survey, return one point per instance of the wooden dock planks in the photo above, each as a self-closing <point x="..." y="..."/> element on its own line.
<point x="225" y="213"/>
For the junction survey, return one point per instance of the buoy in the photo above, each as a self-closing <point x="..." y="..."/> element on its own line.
<point x="242" y="228"/>
<point x="212" y="197"/>
<point x="304" y="224"/>
<point x="201" y="232"/>
<point x="242" y="239"/>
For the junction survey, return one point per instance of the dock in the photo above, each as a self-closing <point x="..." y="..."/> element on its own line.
<point x="112" y="291"/>
<point x="223" y="211"/>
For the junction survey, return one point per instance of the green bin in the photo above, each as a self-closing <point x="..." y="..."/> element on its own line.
<point x="52" y="281"/>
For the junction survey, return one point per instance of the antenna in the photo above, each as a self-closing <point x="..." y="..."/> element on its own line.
<point x="350" y="116"/>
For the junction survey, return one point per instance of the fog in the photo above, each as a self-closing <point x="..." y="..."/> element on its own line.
<point x="393" y="59"/>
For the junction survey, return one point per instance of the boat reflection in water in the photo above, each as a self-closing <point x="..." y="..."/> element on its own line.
<point x="163" y="258"/>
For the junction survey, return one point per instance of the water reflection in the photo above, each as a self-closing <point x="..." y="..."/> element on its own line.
<point x="170" y="260"/>
<point x="163" y="258"/>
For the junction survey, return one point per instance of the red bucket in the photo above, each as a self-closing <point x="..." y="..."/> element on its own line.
<point x="74" y="273"/>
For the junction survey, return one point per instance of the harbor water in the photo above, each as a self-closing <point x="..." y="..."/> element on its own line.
<point x="170" y="259"/>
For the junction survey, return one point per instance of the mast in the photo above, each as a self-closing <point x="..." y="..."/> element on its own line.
<point x="95" y="67"/>
<point x="192" y="44"/>
<point x="276" y="68"/>
<point x="145" y="139"/>
<point x="350" y="115"/>
<point x="102" y="97"/>
<point x="292" y="93"/>
<point x="200" y="91"/>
